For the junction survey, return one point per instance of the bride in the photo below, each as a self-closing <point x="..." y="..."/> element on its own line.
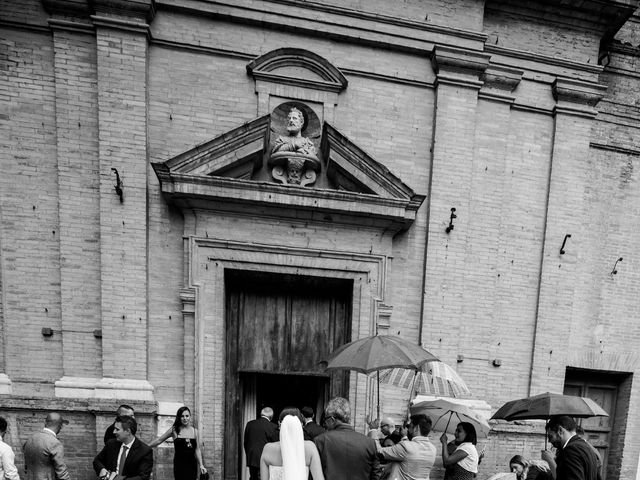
<point x="292" y="458"/>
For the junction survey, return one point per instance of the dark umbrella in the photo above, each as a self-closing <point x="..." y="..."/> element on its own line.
<point x="372" y="354"/>
<point x="547" y="405"/>
<point x="379" y="352"/>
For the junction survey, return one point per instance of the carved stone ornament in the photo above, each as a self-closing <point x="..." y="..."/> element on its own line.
<point x="293" y="158"/>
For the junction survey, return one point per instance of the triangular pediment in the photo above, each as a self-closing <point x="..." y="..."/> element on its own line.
<point x="236" y="168"/>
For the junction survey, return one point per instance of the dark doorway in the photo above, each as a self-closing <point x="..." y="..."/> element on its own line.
<point x="278" y="329"/>
<point x="281" y="391"/>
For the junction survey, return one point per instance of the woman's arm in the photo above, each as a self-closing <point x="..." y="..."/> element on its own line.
<point x="162" y="438"/>
<point x="264" y="467"/>
<point x="455" y="457"/>
<point x="199" y="452"/>
<point x="315" y="466"/>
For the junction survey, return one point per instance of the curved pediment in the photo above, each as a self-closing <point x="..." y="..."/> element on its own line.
<point x="295" y="66"/>
<point x="237" y="170"/>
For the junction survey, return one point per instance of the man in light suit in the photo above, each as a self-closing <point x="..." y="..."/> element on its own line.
<point x="125" y="456"/>
<point x="44" y="454"/>
<point x="257" y="434"/>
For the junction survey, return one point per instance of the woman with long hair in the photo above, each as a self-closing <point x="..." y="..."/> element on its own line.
<point x="187" y="460"/>
<point x="462" y="464"/>
<point x="293" y="457"/>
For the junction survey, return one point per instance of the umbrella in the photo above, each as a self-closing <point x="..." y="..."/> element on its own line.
<point x="376" y="353"/>
<point x="503" y="476"/>
<point x="433" y="378"/>
<point x="546" y="405"/>
<point x="442" y="412"/>
<point x="372" y="354"/>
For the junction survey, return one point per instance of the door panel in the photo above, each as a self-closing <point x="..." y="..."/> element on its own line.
<point x="281" y="324"/>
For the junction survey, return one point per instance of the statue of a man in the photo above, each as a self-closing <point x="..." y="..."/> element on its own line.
<point x="294" y="142"/>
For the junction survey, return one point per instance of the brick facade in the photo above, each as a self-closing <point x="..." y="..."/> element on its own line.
<point x="524" y="117"/>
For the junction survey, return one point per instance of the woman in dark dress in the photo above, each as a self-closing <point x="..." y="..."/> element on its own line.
<point x="187" y="461"/>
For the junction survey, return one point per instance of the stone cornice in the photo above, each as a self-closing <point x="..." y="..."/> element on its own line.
<point x="577" y="97"/>
<point x="499" y="82"/>
<point x="538" y="62"/>
<point x="71" y="26"/>
<point x="119" y="24"/>
<point x="267" y="67"/>
<point x="459" y="66"/>
<point x="194" y="191"/>
<point x="338" y="23"/>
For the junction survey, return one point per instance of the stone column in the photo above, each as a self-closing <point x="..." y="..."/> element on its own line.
<point x="78" y="192"/>
<point x="458" y="82"/>
<point x="121" y="38"/>
<point x="573" y="116"/>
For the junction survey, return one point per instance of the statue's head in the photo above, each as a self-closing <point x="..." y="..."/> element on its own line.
<point x="295" y="121"/>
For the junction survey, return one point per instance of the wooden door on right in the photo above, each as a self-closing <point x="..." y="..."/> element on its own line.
<point x="602" y="388"/>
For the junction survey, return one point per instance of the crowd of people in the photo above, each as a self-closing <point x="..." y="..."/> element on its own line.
<point x="297" y="448"/>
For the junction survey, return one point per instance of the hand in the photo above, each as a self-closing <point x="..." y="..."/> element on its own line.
<point x="443" y="439"/>
<point x="547" y="456"/>
<point x="104" y="474"/>
<point x="203" y="469"/>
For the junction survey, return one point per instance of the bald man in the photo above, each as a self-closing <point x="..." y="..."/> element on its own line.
<point x="43" y="452"/>
<point x="257" y="434"/>
<point x="387" y="427"/>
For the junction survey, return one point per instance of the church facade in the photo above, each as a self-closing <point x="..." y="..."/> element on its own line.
<point x="201" y="200"/>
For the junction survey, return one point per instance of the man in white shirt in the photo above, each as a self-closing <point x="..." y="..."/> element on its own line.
<point x="411" y="459"/>
<point x="124" y="457"/>
<point x="8" y="470"/>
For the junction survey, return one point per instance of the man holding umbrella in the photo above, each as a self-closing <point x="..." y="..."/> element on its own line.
<point x="575" y="460"/>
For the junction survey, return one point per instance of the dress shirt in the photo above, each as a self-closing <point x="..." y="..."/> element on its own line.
<point x="49" y="430"/>
<point x="128" y="447"/>
<point x="8" y="468"/>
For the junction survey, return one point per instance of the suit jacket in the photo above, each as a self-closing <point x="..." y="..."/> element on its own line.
<point x="257" y="434"/>
<point x="347" y="455"/>
<point x="137" y="466"/>
<point x="576" y="461"/>
<point x="312" y="430"/>
<point x="44" y="457"/>
<point x="108" y="433"/>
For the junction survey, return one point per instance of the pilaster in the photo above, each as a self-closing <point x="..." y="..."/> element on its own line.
<point x="121" y="37"/>
<point x="458" y="81"/>
<point x="573" y="118"/>
<point x="78" y="185"/>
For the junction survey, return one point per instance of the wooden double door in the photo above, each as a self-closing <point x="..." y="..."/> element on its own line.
<point x="278" y="330"/>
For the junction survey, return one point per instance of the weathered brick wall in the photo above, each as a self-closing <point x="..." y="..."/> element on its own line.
<point x="68" y="262"/>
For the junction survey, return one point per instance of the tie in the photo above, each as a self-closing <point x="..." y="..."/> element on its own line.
<point x="123" y="457"/>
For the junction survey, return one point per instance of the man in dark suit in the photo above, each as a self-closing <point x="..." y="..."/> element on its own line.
<point x="124" y="457"/>
<point x="344" y="453"/>
<point x="311" y="429"/>
<point x="575" y="460"/>
<point x="257" y="434"/>
<point x="122" y="411"/>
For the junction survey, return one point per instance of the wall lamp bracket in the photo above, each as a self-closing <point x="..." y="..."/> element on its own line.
<point x="118" y="185"/>
<point x="47" y="332"/>
<point x="497" y="362"/>
<point x="615" y="270"/>
<point x="564" y="242"/>
<point x="451" y="217"/>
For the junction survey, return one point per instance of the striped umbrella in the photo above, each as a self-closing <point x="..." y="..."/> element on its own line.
<point x="433" y="378"/>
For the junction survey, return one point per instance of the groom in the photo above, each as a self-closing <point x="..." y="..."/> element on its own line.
<point x="125" y="456"/>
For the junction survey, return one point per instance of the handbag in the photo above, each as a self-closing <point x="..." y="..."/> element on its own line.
<point x="204" y="476"/>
